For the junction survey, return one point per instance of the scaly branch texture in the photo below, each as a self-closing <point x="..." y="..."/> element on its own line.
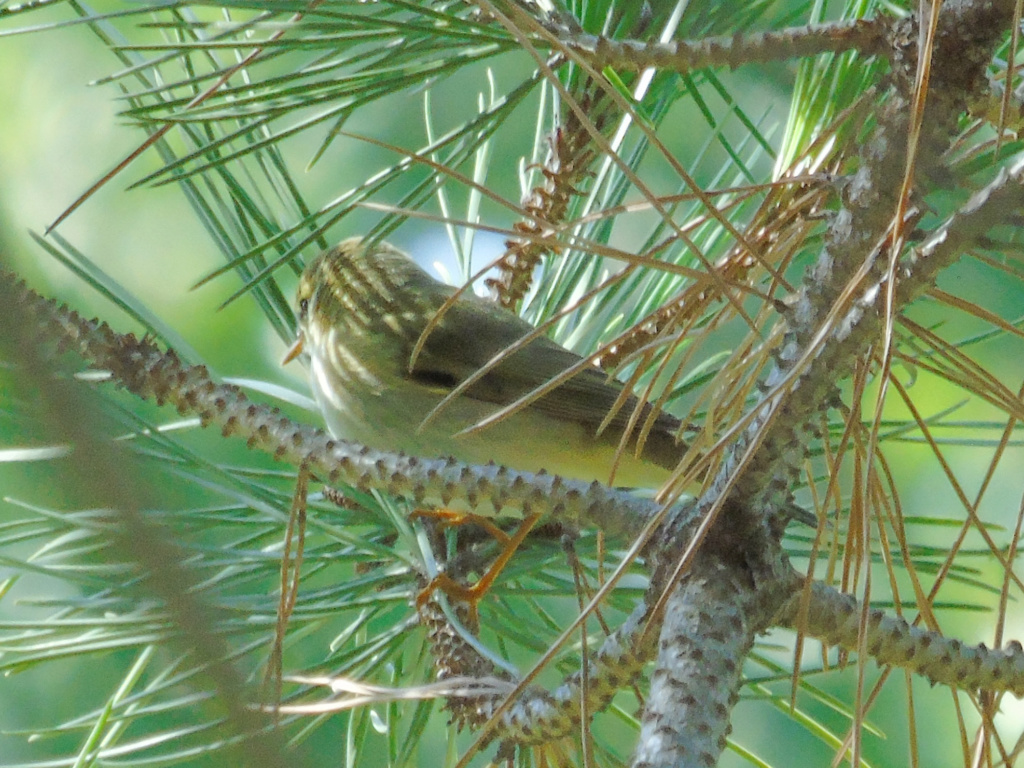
<point x="840" y="310"/>
<point x="835" y="619"/>
<point x="537" y="717"/>
<point x="837" y="318"/>
<point x="709" y="604"/>
<point x="146" y="371"/>
<point x="708" y="631"/>
<point x="571" y="153"/>
<point x="867" y="37"/>
<point x="571" y="150"/>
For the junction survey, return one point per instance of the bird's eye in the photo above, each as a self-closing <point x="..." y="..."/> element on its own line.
<point x="303" y="307"/>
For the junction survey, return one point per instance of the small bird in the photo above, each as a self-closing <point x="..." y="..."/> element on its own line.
<point x="362" y="308"/>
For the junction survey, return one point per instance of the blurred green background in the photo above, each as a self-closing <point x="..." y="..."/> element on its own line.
<point x="60" y="135"/>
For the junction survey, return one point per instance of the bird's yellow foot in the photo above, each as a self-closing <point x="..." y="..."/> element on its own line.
<point x="471" y="595"/>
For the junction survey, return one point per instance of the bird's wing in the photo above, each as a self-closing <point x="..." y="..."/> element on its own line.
<point x="471" y="333"/>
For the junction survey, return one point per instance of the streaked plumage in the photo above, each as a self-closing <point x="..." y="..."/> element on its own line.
<point x="361" y="312"/>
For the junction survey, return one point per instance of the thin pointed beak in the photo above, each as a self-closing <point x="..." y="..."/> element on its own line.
<point x="293" y="351"/>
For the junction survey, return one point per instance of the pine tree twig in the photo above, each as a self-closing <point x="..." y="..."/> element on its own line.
<point x="539" y="717"/>
<point x="152" y="374"/>
<point x="840" y="312"/>
<point x="834" y="618"/>
<point x="145" y="370"/>
<point x="706" y="634"/>
<point x="869" y="37"/>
